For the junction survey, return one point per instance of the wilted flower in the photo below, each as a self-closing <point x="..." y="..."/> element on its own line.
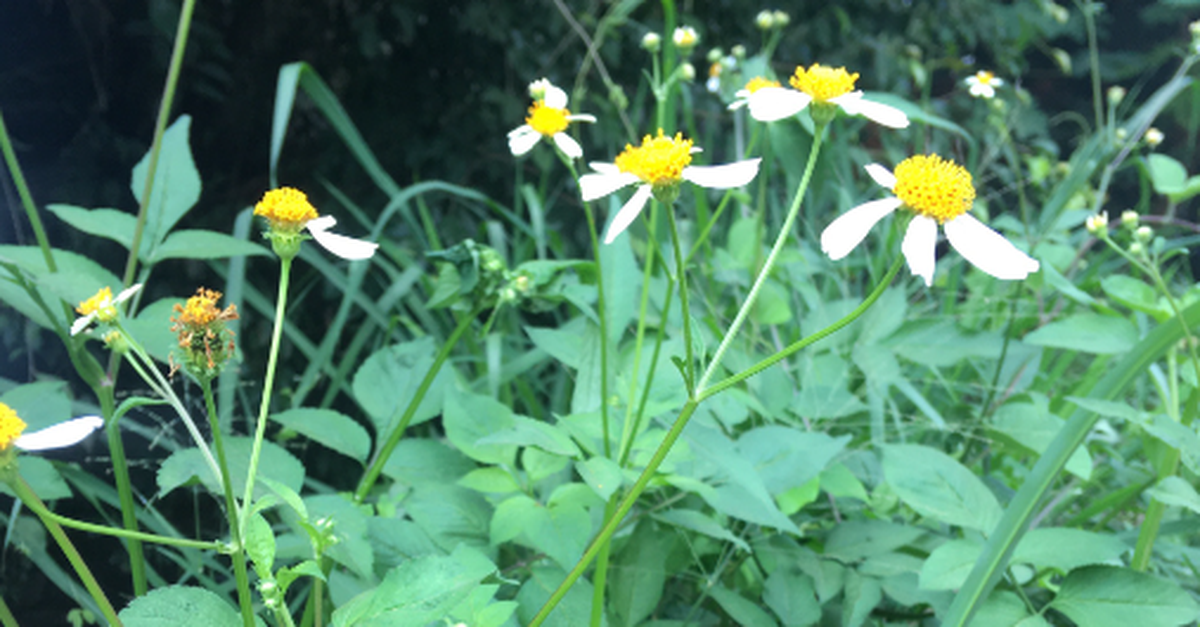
<point x="658" y="167"/>
<point x="101" y="307"/>
<point x="288" y="212"/>
<point x="938" y="192"/>
<point x="549" y="118"/>
<point x="204" y="341"/>
<point x="983" y="84"/>
<point x="826" y="88"/>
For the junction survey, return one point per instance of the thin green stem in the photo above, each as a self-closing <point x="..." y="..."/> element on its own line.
<point x="600" y="577"/>
<point x="141" y="536"/>
<point x="31" y="500"/>
<point x="260" y="429"/>
<point x="613" y="522"/>
<point x="160" y="126"/>
<point x="768" y="265"/>
<point x="35" y="221"/>
<point x="385" y="452"/>
<point x="238" y="556"/>
<point x="689" y="366"/>
<point x="629" y="427"/>
<point x="120" y="469"/>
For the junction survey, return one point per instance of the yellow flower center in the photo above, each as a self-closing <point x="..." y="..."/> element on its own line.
<point x="659" y="161"/>
<point x="823" y="83"/>
<point x="935" y="187"/>
<point x="547" y="120"/>
<point x="200" y="309"/>
<point x="286" y="208"/>
<point x="758" y="83"/>
<point x="102" y="299"/>
<point x="11" y="426"/>
<point x="984" y="77"/>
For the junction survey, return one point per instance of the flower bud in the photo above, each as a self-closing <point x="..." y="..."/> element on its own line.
<point x="765" y="20"/>
<point x="538" y="88"/>
<point x="1136" y="249"/>
<point x="1129" y="219"/>
<point x="738" y="52"/>
<point x="687" y="71"/>
<point x="1144" y="234"/>
<point x="685" y="38"/>
<point x="714" y="55"/>
<point x="1153" y="137"/>
<point x="651" y="42"/>
<point x="781" y="19"/>
<point x="1097" y="224"/>
<point x="1116" y="94"/>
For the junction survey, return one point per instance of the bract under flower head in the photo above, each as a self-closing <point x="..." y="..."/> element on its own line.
<point x="659" y="161"/>
<point x="101" y="307"/>
<point x="548" y="118"/>
<point x="939" y="192"/>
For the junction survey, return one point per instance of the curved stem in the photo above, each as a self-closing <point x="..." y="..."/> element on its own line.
<point x="285" y="272"/>
<point x="120" y="468"/>
<point x="784" y="233"/>
<point x="238" y="556"/>
<point x="372" y="474"/>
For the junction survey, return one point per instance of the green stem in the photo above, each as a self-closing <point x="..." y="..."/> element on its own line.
<point x="238" y="555"/>
<point x="142" y="536"/>
<point x="768" y="265"/>
<point x="385" y="452"/>
<point x="600" y="577"/>
<point x="689" y="366"/>
<point x="35" y="221"/>
<point x="160" y="126"/>
<point x="629" y="427"/>
<point x="260" y="429"/>
<point x="120" y="468"/>
<point x="6" y="616"/>
<point x="31" y="500"/>
<point x="612" y="523"/>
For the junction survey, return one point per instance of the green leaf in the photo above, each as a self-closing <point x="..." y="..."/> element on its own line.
<point x="176" y="184"/>
<point x="838" y="481"/>
<point x="740" y="491"/>
<point x="1067" y="549"/>
<point x="1032" y="427"/>
<point x="181" y="606"/>
<point x="700" y="523"/>
<point x="42" y="477"/>
<point x="940" y="343"/>
<point x="196" y="244"/>
<point x="791" y="596"/>
<point x="1134" y="294"/>
<point x="110" y="224"/>
<point x="854" y="540"/>
<point x="275" y="463"/>
<point x="328" y="428"/>
<point x="351" y="548"/>
<point x="152" y="328"/>
<point x="1177" y="492"/>
<point x="260" y="544"/>
<point x="77" y="279"/>
<point x="1006" y="609"/>
<point x="560" y="531"/>
<point x="743" y="611"/>
<point x="863" y="594"/>
<point x="787" y="457"/>
<point x="601" y="474"/>
<point x="491" y="479"/>
<point x="772" y="306"/>
<point x="424" y="461"/>
<point x="450" y="515"/>
<point x="1087" y="333"/>
<point x="1170" y="178"/>
<point x="947" y="566"/>
<point x="573" y="611"/>
<point x="527" y="432"/>
<point x="639" y="572"/>
<point x="936" y="485"/>
<point x="418" y="592"/>
<point x="1110" y="596"/>
<point x="388" y="380"/>
<point x="40" y="404"/>
<point x="470" y="418"/>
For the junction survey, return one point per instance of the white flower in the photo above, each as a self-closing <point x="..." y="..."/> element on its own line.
<point x="102" y="306"/>
<point x="824" y="88"/>
<point x="983" y="84"/>
<point x="1153" y="137"/>
<point x="658" y="167"/>
<point x="742" y="97"/>
<point x="937" y="191"/>
<point x="60" y="435"/>
<point x="548" y="117"/>
<point x="685" y="37"/>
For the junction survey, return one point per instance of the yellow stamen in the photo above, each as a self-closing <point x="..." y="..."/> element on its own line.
<point x="659" y="160"/>
<point x="286" y="207"/>
<point x="935" y="187"/>
<point x="985" y="77"/>
<point x="200" y="324"/>
<point x="11" y="426"/>
<point x="714" y="70"/>
<point x="102" y="299"/>
<point x="200" y="309"/>
<point x="758" y="83"/>
<point x="547" y="120"/>
<point x="823" y="83"/>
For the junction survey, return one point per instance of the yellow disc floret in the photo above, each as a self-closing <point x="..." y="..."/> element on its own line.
<point x="205" y="342"/>
<point x="547" y="120"/>
<point x="659" y="161"/>
<point x="933" y="186"/>
<point x="11" y="426"/>
<point x="102" y="299"/>
<point x="823" y="83"/>
<point x="758" y="83"/>
<point x="200" y="309"/>
<point x="286" y="208"/>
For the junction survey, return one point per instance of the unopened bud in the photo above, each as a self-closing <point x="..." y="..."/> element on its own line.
<point x="781" y="19"/>
<point x="1097" y="223"/>
<point x="765" y="20"/>
<point x="1116" y="94"/>
<point x="1129" y="219"/>
<point x="1153" y="137"/>
<point x="651" y="41"/>
<point x="1144" y="234"/>
<point x="685" y="38"/>
<point x="687" y="71"/>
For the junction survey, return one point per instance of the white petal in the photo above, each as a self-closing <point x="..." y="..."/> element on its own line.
<point x="604" y="168"/>
<point x="776" y="103"/>
<point x="737" y="104"/>
<point x="920" y="247"/>
<point x="555" y="98"/>
<point x="628" y="213"/>
<point x="846" y="232"/>
<point x="734" y="174"/>
<point x="60" y="435"/>
<point x="568" y="145"/>
<point x="581" y="117"/>
<point x="988" y="250"/>
<point x="340" y="245"/>
<point x="82" y="323"/>
<point x="886" y="115"/>
<point x="522" y="143"/>
<point x="128" y="293"/>
<point x="881" y="175"/>
<point x="600" y="184"/>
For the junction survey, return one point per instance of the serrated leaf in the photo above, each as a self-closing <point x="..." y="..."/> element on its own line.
<point x="1109" y="596"/>
<point x="328" y="428"/>
<point x="937" y="486"/>
<point x="275" y="463"/>
<point x="1176" y="492"/>
<point x="181" y="606"/>
<point x="388" y="380"/>
<point x="601" y="474"/>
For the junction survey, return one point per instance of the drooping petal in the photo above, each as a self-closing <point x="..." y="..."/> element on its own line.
<point x="920" y="247"/>
<point x="849" y="229"/>
<point x="60" y="435"/>
<point x="776" y="103"/>
<point x="568" y="145"/>
<point x="600" y="184"/>
<point x="988" y="250"/>
<point x="604" y="168"/>
<point x="555" y="98"/>
<point x="628" y="213"/>
<point x="521" y="143"/>
<point x="127" y="293"/>
<point x="581" y="117"/>
<point x="881" y="175"/>
<point x="340" y="245"/>
<point x="82" y="323"/>
<point x="734" y="174"/>
<point x="853" y="103"/>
